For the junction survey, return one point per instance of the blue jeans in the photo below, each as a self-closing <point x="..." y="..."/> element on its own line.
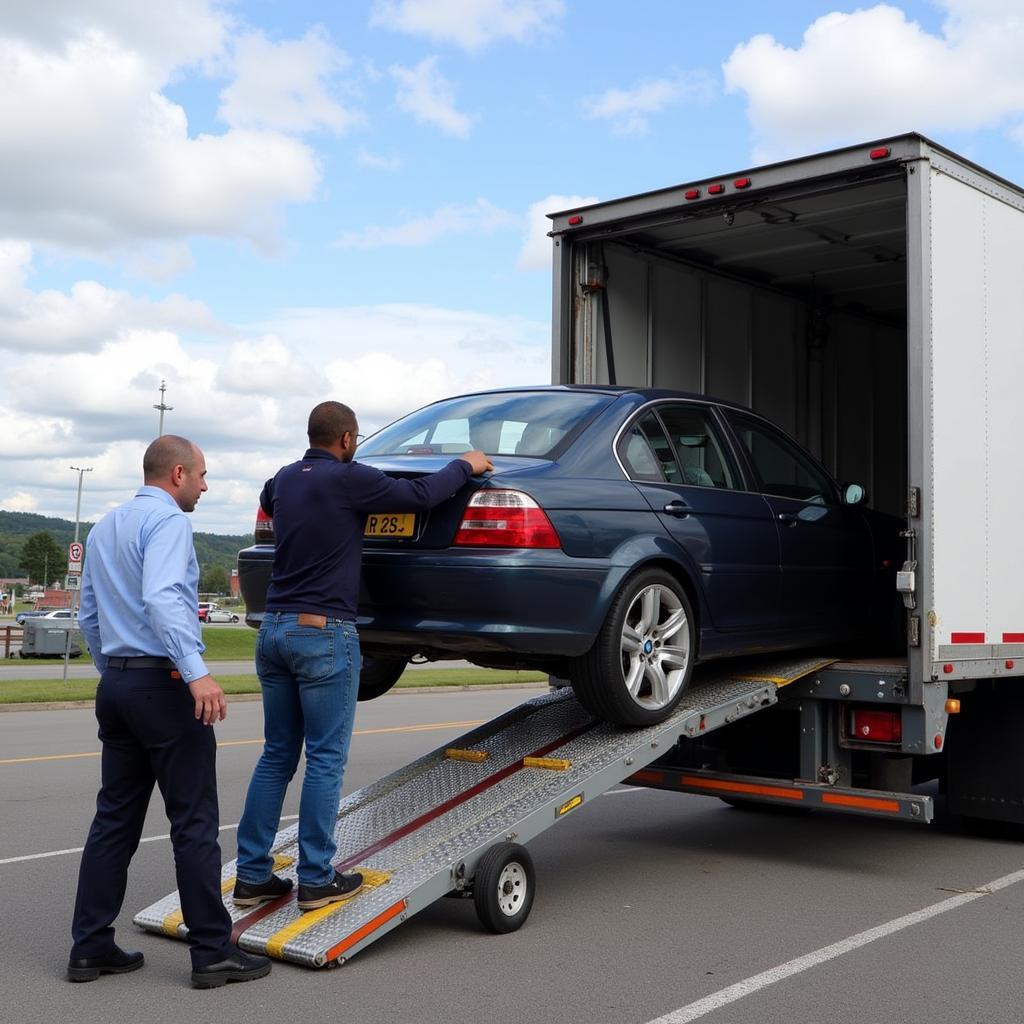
<point x="310" y="679"/>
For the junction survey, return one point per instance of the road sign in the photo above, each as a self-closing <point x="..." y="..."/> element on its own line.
<point x="75" y="553"/>
<point x="73" y="582"/>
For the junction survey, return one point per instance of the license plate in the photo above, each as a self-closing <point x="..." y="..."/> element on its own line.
<point x="402" y="524"/>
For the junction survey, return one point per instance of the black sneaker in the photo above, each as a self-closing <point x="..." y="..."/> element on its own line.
<point x="248" y="894"/>
<point x="343" y="886"/>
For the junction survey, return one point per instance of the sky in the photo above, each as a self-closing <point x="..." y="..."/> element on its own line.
<point x="271" y="203"/>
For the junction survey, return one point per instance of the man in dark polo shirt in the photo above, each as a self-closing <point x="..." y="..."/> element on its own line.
<point x="307" y="652"/>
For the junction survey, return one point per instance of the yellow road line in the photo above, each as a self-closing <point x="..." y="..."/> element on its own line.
<point x="423" y="727"/>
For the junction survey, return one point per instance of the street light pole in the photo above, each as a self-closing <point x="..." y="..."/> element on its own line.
<point x="163" y="407"/>
<point x="81" y="471"/>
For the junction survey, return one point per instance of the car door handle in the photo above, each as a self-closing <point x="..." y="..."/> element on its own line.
<point x="787" y="518"/>
<point x="677" y="508"/>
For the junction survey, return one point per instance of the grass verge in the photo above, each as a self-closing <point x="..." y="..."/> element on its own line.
<point x="31" y="691"/>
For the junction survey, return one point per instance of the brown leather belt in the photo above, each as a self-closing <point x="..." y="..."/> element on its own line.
<point x="309" y="619"/>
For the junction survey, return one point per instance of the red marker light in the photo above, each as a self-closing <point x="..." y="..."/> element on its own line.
<point x="879" y="154"/>
<point x="938" y="742"/>
<point x="876" y="726"/>
<point x="1009" y="664"/>
<point x="741" y="183"/>
<point x="692" y="193"/>
<point x="575" y="219"/>
<point x="947" y="669"/>
<point x="715" y="190"/>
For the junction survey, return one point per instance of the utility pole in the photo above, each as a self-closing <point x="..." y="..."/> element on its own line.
<point x="81" y="471"/>
<point x="163" y="407"/>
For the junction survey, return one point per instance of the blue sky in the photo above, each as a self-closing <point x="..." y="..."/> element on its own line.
<point x="268" y="204"/>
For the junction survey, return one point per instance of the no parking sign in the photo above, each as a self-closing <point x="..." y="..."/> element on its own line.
<point x="75" y="553"/>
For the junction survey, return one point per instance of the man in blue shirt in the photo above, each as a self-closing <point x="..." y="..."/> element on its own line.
<point x="307" y="654"/>
<point x="154" y="703"/>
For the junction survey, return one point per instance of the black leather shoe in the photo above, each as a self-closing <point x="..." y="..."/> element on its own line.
<point x="248" y="894"/>
<point x="237" y="967"/>
<point x="117" y="961"/>
<point x="340" y="888"/>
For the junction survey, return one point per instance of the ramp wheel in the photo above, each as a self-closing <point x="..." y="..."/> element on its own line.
<point x="503" y="887"/>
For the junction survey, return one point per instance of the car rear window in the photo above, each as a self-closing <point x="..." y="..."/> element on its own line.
<point x="527" y="423"/>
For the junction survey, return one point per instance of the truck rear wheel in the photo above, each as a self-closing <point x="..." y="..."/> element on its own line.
<point x="642" y="660"/>
<point x="378" y="675"/>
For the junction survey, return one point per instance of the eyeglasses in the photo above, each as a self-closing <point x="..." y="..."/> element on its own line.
<point x="360" y="438"/>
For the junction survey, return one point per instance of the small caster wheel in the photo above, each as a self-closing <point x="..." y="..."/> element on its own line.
<point x="503" y="887"/>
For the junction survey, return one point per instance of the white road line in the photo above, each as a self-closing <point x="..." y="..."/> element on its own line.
<point x="79" y="849"/>
<point x="702" y="1007"/>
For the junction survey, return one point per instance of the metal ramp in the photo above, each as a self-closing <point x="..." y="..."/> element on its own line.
<point x="420" y="833"/>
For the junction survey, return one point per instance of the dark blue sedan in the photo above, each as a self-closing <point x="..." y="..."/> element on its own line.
<point x="624" y="535"/>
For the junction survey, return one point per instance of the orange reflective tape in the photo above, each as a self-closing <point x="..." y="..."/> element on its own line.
<point x="726" y="786"/>
<point x="367" y="929"/>
<point x="867" y="803"/>
<point x="646" y="775"/>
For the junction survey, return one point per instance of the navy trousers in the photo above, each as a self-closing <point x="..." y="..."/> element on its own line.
<point x="150" y="735"/>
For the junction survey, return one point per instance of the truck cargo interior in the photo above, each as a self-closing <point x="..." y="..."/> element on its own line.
<point x="794" y="304"/>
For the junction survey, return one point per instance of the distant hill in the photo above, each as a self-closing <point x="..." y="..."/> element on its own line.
<point x="15" y="527"/>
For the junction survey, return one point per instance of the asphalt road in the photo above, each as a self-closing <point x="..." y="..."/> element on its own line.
<point x="650" y="905"/>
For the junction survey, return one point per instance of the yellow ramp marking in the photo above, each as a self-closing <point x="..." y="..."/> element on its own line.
<point x="792" y="677"/>
<point x="552" y="764"/>
<point x="276" y="943"/>
<point x="461" y="754"/>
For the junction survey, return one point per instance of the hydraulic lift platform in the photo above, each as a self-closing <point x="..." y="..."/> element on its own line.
<point x="452" y="821"/>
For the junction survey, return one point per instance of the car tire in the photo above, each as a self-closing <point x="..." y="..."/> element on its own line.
<point x="642" y="659"/>
<point x="378" y="675"/>
<point x="234" y="618"/>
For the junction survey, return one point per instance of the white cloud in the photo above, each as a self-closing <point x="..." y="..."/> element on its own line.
<point x="536" y="251"/>
<point x="482" y="217"/>
<point x="628" y="110"/>
<point x="426" y="94"/>
<point x="286" y="86"/>
<point x="873" y="72"/>
<point x="83" y="318"/>
<point x="471" y="24"/>
<point x="376" y="161"/>
<point x="20" y="501"/>
<point x="97" y="158"/>
<point x="267" y="366"/>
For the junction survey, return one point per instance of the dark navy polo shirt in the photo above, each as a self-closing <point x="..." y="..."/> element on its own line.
<point x="319" y="506"/>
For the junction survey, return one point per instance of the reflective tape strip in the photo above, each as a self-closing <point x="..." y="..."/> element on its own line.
<point x="367" y="929"/>
<point x="866" y="803"/>
<point x="305" y="921"/>
<point x="553" y="764"/>
<point x="457" y="754"/>
<point x="724" y="786"/>
<point x="173" y="921"/>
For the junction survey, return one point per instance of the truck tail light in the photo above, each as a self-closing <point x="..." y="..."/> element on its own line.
<point x="876" y="726"/>
<point x="505" y="519"/>
<point x="264" y="531"/>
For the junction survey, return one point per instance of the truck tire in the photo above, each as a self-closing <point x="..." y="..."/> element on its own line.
<point x="503" y="888"/>
<point x="378" y="675"/>
<point x="642" y="659"/>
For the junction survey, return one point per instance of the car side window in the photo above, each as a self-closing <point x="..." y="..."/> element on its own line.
<point x="785" y="470"/>
<point x="646" y="453"/>
<point x="697" y="443"/>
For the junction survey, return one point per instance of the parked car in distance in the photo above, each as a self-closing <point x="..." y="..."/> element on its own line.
<point x="624" y="535"/>
<point x="205" y="607"/>
<point x="220" y="615"/>
<point x="57" y="613"/>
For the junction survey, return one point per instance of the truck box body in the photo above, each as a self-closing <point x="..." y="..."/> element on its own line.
<point x="870" y="301"/>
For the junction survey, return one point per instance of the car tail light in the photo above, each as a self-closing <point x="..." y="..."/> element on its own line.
<point x="264" y="531"/>
<point x="505" y="519"/>
<point x="876" y="726"/>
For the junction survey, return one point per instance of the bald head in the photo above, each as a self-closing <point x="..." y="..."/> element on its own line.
<point x="177" y="466"/>
<point x="327" y="422"/>
<point x="164" y="454"/>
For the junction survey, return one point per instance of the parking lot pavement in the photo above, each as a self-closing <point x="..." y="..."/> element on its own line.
<point x="650" y="906"/>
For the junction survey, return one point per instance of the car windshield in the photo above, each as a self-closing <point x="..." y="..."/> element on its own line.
<point x="529" y="423"/>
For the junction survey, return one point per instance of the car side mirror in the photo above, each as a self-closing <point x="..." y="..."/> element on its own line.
<point x="854" y="494"/>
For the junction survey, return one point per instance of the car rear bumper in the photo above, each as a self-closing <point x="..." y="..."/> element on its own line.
<point x="540" y="603"/>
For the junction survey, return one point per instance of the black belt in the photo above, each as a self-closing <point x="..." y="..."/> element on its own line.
<point x="142" y="662"/>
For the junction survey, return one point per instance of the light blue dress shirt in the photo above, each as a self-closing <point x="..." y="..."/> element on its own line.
<point x="140" y="585"/>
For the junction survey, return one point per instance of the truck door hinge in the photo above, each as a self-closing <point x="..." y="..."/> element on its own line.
<point x="914" y="502"/>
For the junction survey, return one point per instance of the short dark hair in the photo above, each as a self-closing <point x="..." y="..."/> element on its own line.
<point x="164" y="454"/>
<point x="328" y="421"/>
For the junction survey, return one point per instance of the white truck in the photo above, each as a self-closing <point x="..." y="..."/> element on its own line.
<point x="870" y="301"/>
